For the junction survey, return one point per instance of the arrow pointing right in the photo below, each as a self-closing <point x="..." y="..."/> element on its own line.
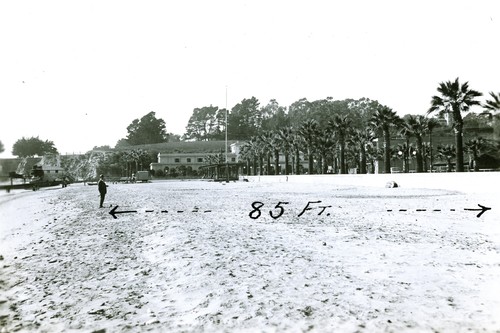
<point x="113" y="212"/>
<point x="482" y="209"/>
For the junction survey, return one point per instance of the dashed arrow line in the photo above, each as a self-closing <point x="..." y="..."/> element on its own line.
<point x="482" y="209"/>
<point x="114" y="212"/>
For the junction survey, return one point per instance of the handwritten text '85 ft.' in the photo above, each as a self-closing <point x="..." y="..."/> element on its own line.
<point x="279" y="209"/>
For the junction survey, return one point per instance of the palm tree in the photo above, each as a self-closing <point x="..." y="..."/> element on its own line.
<point x="406" y="132"/>
<point x="432" y="123"/>
<point x="266" y="144"/>
<point x="309" y="131"/>
<point x="447" y="153"/>
<point x="363" y="138"/>
<point x="276" y="147"/>
<point x="383" y="120"/>
<point x="254" y="151"/>
<point x="285" y="137"/>
<point x="324" y="144"/>
<point x="245" y="155"/>
<point x="297" y="143"/>
<point x="404" y="151"/>
<point x="455" y="99"/>
<point x="418" y="126"/>
<point x="493" y="104"/>
<point x="339" y="127"/>
<point x="474" y="147"/>
<point x="426" y="151"/>
<point x="372" y="155"/>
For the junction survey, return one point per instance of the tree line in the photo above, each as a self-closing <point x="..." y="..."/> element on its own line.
<point x="343" y="133"/>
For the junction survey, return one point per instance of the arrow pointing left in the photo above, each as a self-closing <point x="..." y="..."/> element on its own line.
<point x="113" y="212"/>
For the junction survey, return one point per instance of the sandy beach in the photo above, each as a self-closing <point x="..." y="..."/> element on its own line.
<point x="199" y="256"/>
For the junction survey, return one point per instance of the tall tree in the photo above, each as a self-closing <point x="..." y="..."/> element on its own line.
<point x="297" y="143"/>
<point x="432" y="123"/>
<point x="265" y="141"/>
<point x="406" y="132"/>
<point x="363" y="138"/>
<point x="29" y="147"/>
<point x="360" y="111"/>
<point x="323" y="146"/>
<point x="206" y="123"/>
<point x="148" y="129"/>
<point x="454" y="99"/>
<point x="273" y="116"/>
<point x="244" y="119"/>
<point x="383" y="119"/>
<point x="276" y="147"/>
<point x="299" y="112"/>
<point x="417" y="125"/>
<point x="339" y="126"/>
<point x="285" y="137"/>
<point x="309" y="131"/>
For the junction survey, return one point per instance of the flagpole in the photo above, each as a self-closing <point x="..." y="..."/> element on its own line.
<point x="227" y="167"/>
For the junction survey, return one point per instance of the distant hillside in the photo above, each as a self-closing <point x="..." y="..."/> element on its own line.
<point x="183" y="147"/>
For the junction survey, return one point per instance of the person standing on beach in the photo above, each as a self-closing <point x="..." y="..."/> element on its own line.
<point x="102" y="189"/>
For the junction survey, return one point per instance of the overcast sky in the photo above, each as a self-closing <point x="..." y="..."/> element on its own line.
<point x="78" y="73"/>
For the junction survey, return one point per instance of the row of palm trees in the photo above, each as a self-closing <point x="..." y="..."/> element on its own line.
<point x="343" y="146"/>
<point x="337" y="144"/>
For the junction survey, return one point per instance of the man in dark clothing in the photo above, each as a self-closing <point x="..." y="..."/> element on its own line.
<point x="102" y="189"/>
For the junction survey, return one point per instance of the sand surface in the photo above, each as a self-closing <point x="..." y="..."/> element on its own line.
<point x="192" y="259"/>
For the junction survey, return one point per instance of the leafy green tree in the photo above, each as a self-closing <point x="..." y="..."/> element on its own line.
<point x="29" y="147"/>
<point x="245" y="120"/>
<point x="206" y="123"/>
<point x="146" y="130"/>
<point x="383" y="119"/>
<point x="475" y="120"/>
<point x="493" y="104"/>
<point x="274" y="116"/>
<point x="173" y="172"/>
<point x="122" y="143"/>
<point x="299" y="112"/>
<point x="360" y="111"/>
<point x="454" y="99"/>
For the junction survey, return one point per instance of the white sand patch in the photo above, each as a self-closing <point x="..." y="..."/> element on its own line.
<point x="205" y="265"/>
